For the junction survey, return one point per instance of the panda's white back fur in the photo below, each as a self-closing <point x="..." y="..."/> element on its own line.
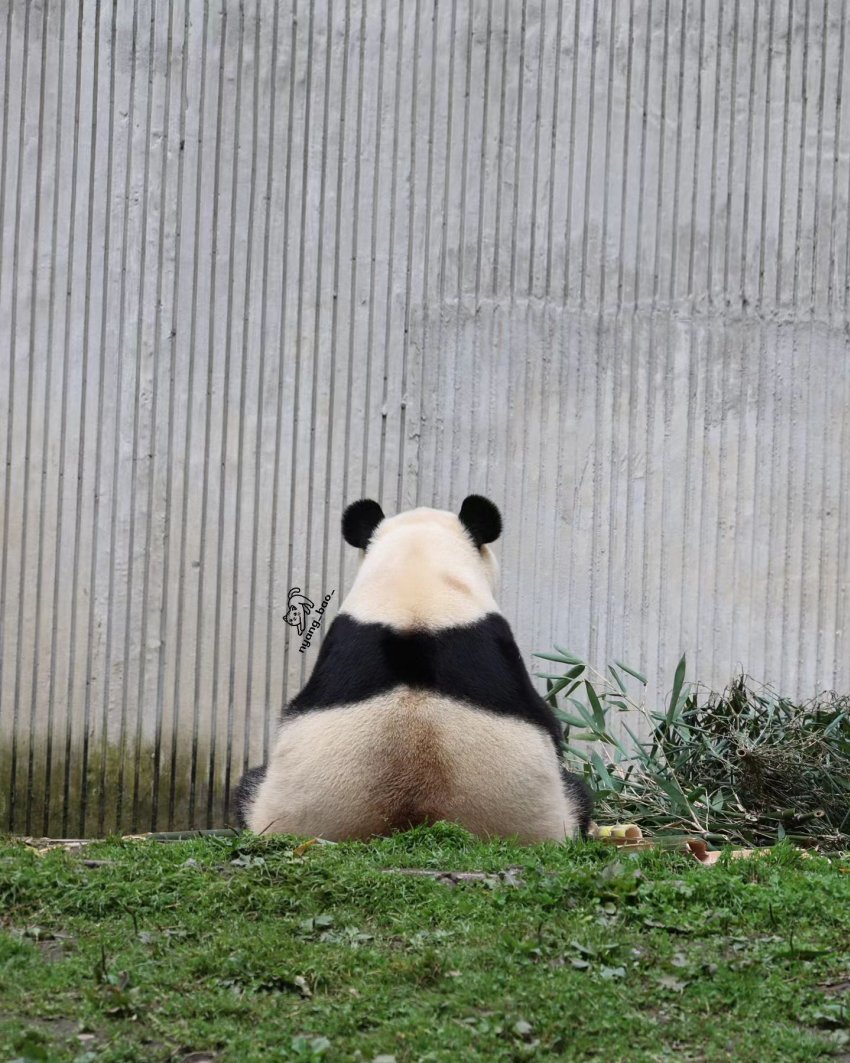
<point x="410" y="755"/>
<point x="406" y="757"/>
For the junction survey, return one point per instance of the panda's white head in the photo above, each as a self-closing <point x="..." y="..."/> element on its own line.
<point x="424" y="569"/>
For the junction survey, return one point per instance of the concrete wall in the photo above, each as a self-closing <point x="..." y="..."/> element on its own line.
<point x="259" y="260"/>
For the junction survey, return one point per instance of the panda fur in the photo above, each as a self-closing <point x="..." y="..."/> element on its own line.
<point x="419" y="707"/>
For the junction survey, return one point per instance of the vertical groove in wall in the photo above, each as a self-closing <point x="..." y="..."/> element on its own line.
<point x="166" y="355"/>
<point x="135" y="644"/>
<point x="48" y="526"/>
<point x="11" y="690"/>
<point x="257" y="261"/>
<point x="36" y="365"/>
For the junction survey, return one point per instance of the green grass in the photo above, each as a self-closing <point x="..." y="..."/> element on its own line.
<point x="240" y="948"/>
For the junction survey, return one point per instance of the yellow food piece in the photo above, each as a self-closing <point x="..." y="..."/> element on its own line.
<point x="621" y="832"/>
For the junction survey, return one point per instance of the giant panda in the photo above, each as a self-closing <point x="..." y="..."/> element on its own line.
<point x="419" y="707"/>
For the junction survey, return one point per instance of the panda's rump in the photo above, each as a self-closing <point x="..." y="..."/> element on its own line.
<point x="411" y="772"/>
<point x="408" y="757"/>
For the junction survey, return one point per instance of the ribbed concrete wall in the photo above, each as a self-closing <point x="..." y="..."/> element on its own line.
<point x="257" y="261"/>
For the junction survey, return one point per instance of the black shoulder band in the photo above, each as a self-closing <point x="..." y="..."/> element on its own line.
<point x="478" y="663"/>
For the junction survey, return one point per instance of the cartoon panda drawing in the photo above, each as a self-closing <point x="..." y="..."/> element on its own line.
<point x="419" y="707"/>
<point x="299" y="608"/>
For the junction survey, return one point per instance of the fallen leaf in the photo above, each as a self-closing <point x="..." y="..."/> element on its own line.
<point x="671" y="928"/>
<point x="840" y="986"/>
<point x="300" y="983"/>
<point x="830" y="1016"/>
<point x="669" y="982"/>
<point x="510" y="877"/>
<point x="699" y="848"/>
<point x="709" y="858"/>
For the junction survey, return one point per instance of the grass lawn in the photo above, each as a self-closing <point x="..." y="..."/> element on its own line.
<point x="240" y="949"/>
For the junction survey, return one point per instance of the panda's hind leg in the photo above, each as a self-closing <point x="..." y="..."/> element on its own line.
<point x="581" y="796"/>
<point x="245" y="793"/>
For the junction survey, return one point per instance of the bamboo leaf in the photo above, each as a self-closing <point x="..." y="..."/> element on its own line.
<point x="596" y="706"/>
<point x="571" y="656"/>
<point x="573" y="721"/>
<point x="639" y="750"/>
<point x="554" y="657"/>
<point x="678" y="682"/>
<point x="587" y="719"/>
<point x="617" y="678"/>
<point x="554" y="689"/>
<point x="630" y="671"/>
<point x="602" y="772"/>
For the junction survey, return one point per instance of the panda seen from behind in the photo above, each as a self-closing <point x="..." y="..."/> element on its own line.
<point x="419" y="707"/>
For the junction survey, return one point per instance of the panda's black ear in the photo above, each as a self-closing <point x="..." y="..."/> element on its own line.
<point x="481" y="519"/>
<point x="359" y="522"/>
